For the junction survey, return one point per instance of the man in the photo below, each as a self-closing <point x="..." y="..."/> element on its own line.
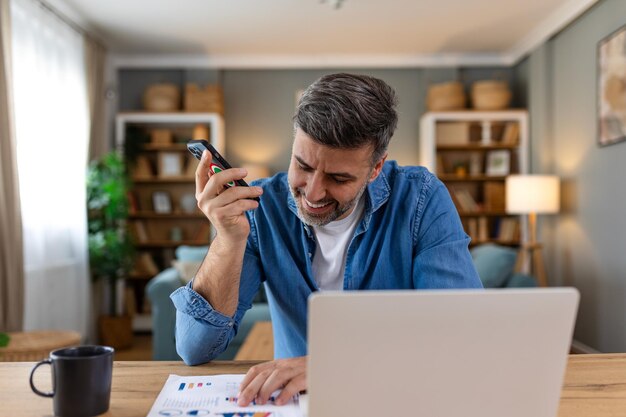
<point x="341" y="219"/>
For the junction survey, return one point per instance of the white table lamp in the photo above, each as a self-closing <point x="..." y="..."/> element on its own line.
<point x="532" y="195"/>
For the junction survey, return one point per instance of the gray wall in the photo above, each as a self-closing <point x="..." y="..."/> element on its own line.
<point x="587" y="241"/>
<point x="260" y="105"/>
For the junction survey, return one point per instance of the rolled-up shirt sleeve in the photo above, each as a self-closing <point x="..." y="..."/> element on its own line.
<point x="202" y="332"/>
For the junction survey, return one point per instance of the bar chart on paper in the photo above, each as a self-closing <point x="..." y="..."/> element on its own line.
<point x="213" y="396"/>
<point x="246" y="414"/>
<point x="233" y="400"/>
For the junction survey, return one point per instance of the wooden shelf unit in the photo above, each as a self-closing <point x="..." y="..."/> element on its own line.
<point x="157" y="233"/>
<point x="456" y="145"/>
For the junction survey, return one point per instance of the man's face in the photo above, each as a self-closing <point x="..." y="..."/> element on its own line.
<point x="326" y="182"/>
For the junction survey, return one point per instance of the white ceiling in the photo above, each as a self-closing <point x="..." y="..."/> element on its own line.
<point x="292" y="33"/>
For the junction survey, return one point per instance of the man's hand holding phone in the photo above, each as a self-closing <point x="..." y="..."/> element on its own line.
<point x="223" y="204"/>
<point x="224" y="197"/>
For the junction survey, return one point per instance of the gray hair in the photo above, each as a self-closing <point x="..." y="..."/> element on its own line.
<point x="349" y="111"/>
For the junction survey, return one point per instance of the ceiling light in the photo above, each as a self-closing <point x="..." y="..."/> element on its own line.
<point x="335" y="3"/>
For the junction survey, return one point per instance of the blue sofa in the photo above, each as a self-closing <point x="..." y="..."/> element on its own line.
<point x="495" y="265"/>
<point x="158" y="292"/>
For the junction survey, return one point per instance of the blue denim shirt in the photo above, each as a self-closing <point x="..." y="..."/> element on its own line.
<point x="410" y="237"/>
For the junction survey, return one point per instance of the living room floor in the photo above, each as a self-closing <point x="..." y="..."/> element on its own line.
<point x="141" y="349"/>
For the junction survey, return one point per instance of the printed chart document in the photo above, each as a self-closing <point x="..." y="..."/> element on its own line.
<point x="214" y="396"/>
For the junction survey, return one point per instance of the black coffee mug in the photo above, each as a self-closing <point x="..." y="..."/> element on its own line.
<point x="81" y="380"/>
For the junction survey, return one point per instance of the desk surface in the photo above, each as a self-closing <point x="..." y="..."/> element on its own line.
<point x="595" y="385"/>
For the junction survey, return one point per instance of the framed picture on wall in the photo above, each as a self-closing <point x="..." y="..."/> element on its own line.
<point x="611" y="88"/>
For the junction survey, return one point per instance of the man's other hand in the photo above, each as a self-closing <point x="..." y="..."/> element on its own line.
<point x="262" y="380"/>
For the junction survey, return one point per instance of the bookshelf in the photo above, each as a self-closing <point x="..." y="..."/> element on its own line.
<point x="163" y="213"/>
<point x="472" y="152"/>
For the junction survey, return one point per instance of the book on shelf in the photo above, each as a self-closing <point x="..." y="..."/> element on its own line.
<point x="167" y="256"/>
<point x="440" y="168"/>
<point x="144" y="265"/>
<point x="509" y="229"/>
<point x="494" y="196"/>
<point x="139" y="232"/>
<point x="517" y="233"/>
<point x="510" y="135"/>
<point x="472" y="228"/>
<point x="464" y="200"/>
<point x="483" y="229"/>
<point x="142" y="169"/>
<point x="133" y="205"/>
<point x="204" y="232"/>
<point x="190" y="168"/>
<point x="476" y="163"/>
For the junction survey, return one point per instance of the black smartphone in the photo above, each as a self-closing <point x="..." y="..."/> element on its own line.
<point x="218" y="163"/>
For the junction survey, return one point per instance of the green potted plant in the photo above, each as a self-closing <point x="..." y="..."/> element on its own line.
<point x="111" y="252"/>
<point x="4" y="339"/>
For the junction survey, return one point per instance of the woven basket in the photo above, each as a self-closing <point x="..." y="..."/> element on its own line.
<point x="36" y="345"/>
<point x="490" y="95"/>
<point x="208" y="99"/>
<point x="445" y="96"/>
<point x="162" y="98"/>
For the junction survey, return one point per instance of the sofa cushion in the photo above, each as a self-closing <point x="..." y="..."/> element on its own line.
<point x="521" y="281"/>
<point x="191" y="253"/>
<point x="494" y="264"/>
<point x="186" y="269"/>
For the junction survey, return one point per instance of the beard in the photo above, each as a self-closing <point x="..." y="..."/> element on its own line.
<point x="339" y="210"/>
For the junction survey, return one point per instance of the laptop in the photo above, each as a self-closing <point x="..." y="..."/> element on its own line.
<point x="439" y="353"/>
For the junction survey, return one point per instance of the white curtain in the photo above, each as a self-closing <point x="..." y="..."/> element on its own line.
<point x="52" y="134"/>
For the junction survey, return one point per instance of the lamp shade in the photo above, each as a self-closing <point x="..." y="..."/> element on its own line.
<point x="256" y="171"/>
<point x="532" y="194"/>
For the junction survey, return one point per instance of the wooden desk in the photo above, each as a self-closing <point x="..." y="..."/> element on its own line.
<point x="135" y="385"/>
<point x="595" y="386"/>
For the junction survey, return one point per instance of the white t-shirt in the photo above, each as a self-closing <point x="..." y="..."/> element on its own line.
<point x="332" y="241"/>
